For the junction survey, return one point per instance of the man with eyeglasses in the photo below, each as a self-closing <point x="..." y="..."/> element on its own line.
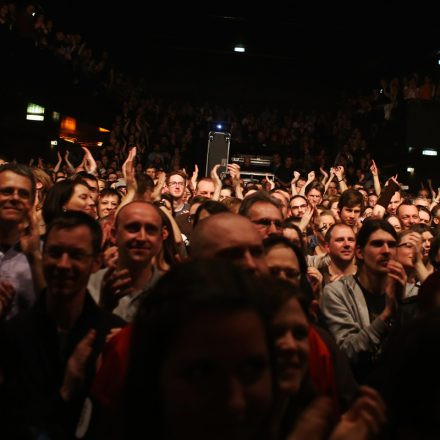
<point x="176" y="183"/>
<point x="17" y="194"/>
<point x="264" y="212"/>
<point x="360" y="309"/>
<point x="50" y="352"/>
<point x="298" y="206"/>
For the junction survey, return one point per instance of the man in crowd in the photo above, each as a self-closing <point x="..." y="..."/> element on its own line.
<point x="408" y="214"/>
<point x="139" y="234"/>
<point x="17" y="194"/>
<point x="351" y="206"/>
<point x="360" y="309"/>
<point x="176" y="182"/>
<point x="50" y="351"/>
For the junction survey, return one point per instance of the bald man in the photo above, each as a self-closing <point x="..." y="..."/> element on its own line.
<point x="230" y="236"/>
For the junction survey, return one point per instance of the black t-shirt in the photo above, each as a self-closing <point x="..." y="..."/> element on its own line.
<point x="375" y="301"/>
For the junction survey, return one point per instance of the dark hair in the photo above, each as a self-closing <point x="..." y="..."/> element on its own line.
<point x="110" y="192"/>
<point x="314" y="185"/>
<point x="73" y="219"/>
<point x="212" y="206"/>
<point x="421" y="228"/>
<point x="351" y="198"/>
<point x="369" y="226"/>
<point x="328" y="234"/>
<point x="57" y="197"/>
<point x="185" y="291"/>
<point x="292" y="223"/>
<point x="424" y="209"/>
<point x="258" y="197"/>
<point x="173" y="173"/>
<point x="169" y="246"/>
<point x="275" y="240"/>
<point x="21" y="170"/>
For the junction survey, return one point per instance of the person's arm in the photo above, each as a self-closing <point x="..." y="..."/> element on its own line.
<point x="69" y="164"/>
<point x="176" y="230"/>
<point x="194" y="177"/>
<point x="234" y="171"/>
<point x="342" y="320"/>
<point x="217" y="182"/>
<point x="56" y="168"/>
<point x="324" y="175"/>
<point x="376" y="182"/>
<point x="387" y="193"/>
<point x="339" y="173"/>
<point x="159" y="186"/>
<point x="89" y="162"/>
<point x="295" y="179"/>
<point x="310" y="179"/>
<point x="130" y="179"/>
<point x="332" y="175"/>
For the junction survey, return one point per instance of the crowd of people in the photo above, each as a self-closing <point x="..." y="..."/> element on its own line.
<point x="140" y="298"/>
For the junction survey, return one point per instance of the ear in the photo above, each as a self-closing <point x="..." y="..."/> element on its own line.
<point x="113" y="233"/>
<point x="165" y="233"/>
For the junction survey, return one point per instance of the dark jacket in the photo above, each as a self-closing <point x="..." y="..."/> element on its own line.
<point x="33" y="361"/>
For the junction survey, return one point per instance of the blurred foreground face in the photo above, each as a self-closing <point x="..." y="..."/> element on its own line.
<point x="290" y="329"/>
<point x="216" y="381"/>
<point x="283" y="263"/>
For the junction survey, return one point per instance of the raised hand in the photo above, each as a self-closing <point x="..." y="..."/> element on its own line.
<point x="296" y="176"/>
<point x="75" y="372"/>
<point x="311" y="176"/>
<point x="194" y="177"/>
<point x="115" y="285"/>
<point x="89" y="162"/>
<point x="270" y="181"/>
<point x="373" y="168"/>
<point x="128" y="170"/>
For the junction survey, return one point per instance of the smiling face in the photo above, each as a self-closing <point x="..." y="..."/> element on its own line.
<point x="139" y="234"/>
<point x="290" y="328"/>
<point x="15" y="197"/>
<point x="81" y="200"/>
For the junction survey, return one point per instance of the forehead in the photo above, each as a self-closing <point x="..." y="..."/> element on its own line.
<point x="109" y="198"/>
<point x="264" y="209"/>
<point x="314" y="192"/>
<point x="282" y="256"/>
<point x="408" y="209"/>
<point x="233" y="233"/>
<point x="9" y="178"/>
<point x="139" y="212"/>
<point x="78" y="237"/>
<point x="174" y="177"/>
<point x="205" y="185"/>
<point x="380" y="234"/>
<point x="342" y="231"/>
<point x="80" y="189"/>
<point x="291" y="313"/>
<point x="298" y="201"/>
<point x="326" y="219"/>
<point x="396" y="197"/>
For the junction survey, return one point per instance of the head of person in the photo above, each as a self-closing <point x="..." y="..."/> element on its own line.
<point x="108" y="201"/>
<point x="406" y="250"/>
<point x="43" y="183"/>
<point x="293" y="233"/>
<point x="298" y="206"/>
<point x="376" y="244"/>
<point x="71" y="253"/>
<point x="17" y="193"/>
<point x="139" y="233"/>
<point x="283" y="199"/>
<point x="68" y="195"/>
<point x="200" y="363"/>
<point x="92" y="183"/>
<point x="233" y="204"/>
<point x="151" y="171"/>
<point x="408" y="214"/>
<point x="427" y="236"/>
<point x="205" y="187"/>
<point x="435" y="215"/>
<point x="372" y="200"/>
<point x="351" y="205"/>
<point x="230" y="236"/>
<point x="264" y="212"/>
<point x="340" y="243"/>
<point x="332" y="189"/>
<point x="286" y="309"/>
<point x="425" y="215"/>
<point x="394" y="221"/>
<point x="176" y="182"/>
<point x="314" y="192"/>
<point x="225" y="192"/>
<point x="434" y="252"/>
<point x="208" y="208"/>
<point x="322" y="223"/>
<point x="395" y="201"/>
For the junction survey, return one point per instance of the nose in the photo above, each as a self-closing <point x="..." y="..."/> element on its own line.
<point x="272" y="229"/>
<point x="236" y="399"/>
<point x="64" y="261"/>
<point x="141" y="235"/>
<point x="248" y="262"/>
<point x="288" y="342"/>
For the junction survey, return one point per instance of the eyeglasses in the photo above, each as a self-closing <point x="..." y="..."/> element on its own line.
<point x="176" y="184"/>
<point x="267" y="223"/>
<point x="408" y="245"/>
<point x="74" y="254"/>
<point x="291" y="274"/>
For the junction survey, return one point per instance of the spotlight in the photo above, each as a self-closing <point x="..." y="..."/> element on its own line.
<point x="219" y="126"/>
<point x="410" y="170"/>
<point x="429" y="152"/>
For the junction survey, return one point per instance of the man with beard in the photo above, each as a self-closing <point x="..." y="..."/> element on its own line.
<point x="360" y="309"/>
<point x="139" y="234"/>
<point x="49" y="352"/>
